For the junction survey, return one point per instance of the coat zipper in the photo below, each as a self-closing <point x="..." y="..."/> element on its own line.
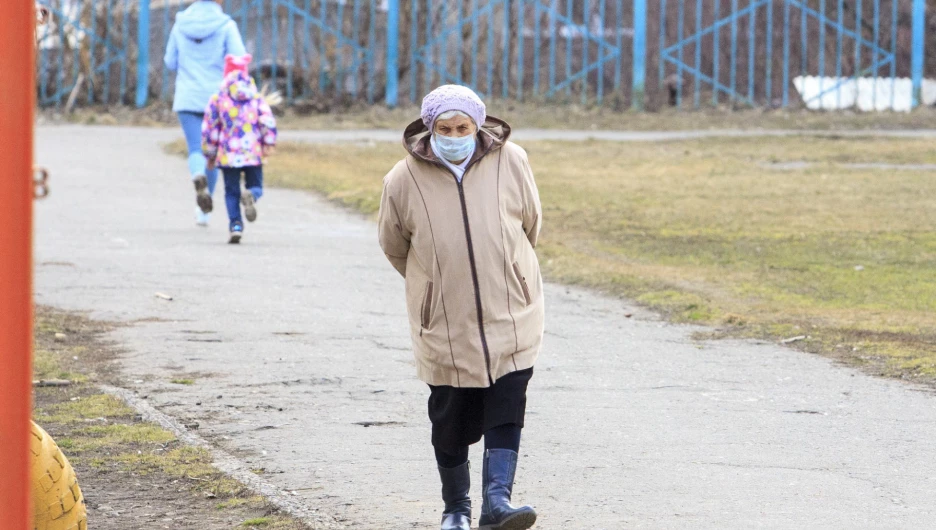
<point x="471" y="261"/>
<point x="474" y="279"/>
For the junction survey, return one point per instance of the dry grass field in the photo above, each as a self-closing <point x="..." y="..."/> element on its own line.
<point x="546" y="115"/>
<point x="773" y="238"/>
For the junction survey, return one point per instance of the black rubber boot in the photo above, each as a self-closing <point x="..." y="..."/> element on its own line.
<point x="500" y="465"/>
<point x="456" y="483"/>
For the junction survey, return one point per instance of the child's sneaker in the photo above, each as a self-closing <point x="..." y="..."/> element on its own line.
<point x="250" y="208"/>
<point x="202" y="197"/>
<point x="236" y="232"/>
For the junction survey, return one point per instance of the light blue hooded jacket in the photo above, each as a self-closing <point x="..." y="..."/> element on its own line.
<point x="200" y="38"/>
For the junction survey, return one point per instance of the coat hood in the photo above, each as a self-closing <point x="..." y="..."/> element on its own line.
<point x="491" y="136"/>
<point x="239" y="86"/>
<point x="201" y="20"/>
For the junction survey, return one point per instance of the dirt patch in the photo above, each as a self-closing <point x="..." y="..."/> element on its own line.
<point x="133" y="474"/>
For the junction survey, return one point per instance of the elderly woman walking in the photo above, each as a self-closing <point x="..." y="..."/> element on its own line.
<point x="459" y="218"/>
<point x="200" y="39"/>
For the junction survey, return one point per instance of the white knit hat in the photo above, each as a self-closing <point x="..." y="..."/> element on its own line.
<point x="452" y="97"/>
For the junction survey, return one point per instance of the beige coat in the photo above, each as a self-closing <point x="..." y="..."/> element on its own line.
<point x="474" y="293"/>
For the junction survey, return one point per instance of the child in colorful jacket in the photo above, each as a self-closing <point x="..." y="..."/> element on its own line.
<point x="238" y="131"/>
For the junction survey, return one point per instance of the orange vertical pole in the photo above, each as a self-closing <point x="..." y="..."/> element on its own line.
<point x="17" y="102"/>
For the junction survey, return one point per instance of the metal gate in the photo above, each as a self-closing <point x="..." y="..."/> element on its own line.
<point x="84" y="52"/>
<point x="316" y="47"/>
<point x="308" y="49"/>
<point x="520" y="48"/>
<point x="709" y="52"/>
<point x="753" y="52"/>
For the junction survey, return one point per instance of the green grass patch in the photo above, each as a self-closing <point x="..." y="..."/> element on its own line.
<point x="47" y="365"/>
<point x="271" y="522"/>
<point x="97" y="438"/>
<point x="239" y="502"/>
<point x="707" y="231"/>
<point x="82" y="409"/>
<point x="183" y="381"/>
<point x="192" y="463"/>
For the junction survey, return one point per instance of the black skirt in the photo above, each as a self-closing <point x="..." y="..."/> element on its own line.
<point x="461" y="416"/>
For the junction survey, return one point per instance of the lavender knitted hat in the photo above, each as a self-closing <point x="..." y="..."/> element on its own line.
<point x="452" y="97"/>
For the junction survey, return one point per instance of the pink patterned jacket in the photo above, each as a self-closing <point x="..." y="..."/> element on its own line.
<point x="237" y="124"/>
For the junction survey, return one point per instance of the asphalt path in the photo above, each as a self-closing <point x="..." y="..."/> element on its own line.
<point x="298" y="348"/>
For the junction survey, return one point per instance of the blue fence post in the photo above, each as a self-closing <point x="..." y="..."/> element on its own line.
<point x="916" y="65"/>
<point x="143" y="38"/>
<point x="393" y="49"/>
<point x="640" y="53"/>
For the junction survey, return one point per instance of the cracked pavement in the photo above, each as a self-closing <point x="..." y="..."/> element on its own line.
<point x="297" y="348"/>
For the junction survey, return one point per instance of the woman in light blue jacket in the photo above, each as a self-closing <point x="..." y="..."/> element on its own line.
<point x="200" y="38"/>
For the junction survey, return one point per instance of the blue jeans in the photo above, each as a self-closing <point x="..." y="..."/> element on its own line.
<point x="198" y="165"/>
<point x="253" y="181"/>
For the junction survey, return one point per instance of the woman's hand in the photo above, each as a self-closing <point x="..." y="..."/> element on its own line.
<point x="211" y="163"/>
<point x="269" y="150"/>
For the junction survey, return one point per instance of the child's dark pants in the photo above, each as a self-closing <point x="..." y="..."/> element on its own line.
<point x="253" y="181"/>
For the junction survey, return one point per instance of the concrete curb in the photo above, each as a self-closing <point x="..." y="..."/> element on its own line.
<point x="226" y="462"/>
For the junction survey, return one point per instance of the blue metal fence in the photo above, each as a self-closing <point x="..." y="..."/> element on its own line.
<point x="309" y="49"/>
<point x="520" y="49"/>
<point x="321" y="47"/>
<point x="703" y="52"/>
<point x="747" y="52"/>
<point x="85" y="51"/>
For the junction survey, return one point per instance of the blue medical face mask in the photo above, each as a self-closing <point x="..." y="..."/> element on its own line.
<point x="454" y="149"/>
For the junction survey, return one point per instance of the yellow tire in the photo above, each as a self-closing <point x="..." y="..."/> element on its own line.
<point x="57" y="500"/>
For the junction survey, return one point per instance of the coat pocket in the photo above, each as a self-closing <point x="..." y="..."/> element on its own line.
<point x="523" y="284"/>
<point x="427" y="306"/>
